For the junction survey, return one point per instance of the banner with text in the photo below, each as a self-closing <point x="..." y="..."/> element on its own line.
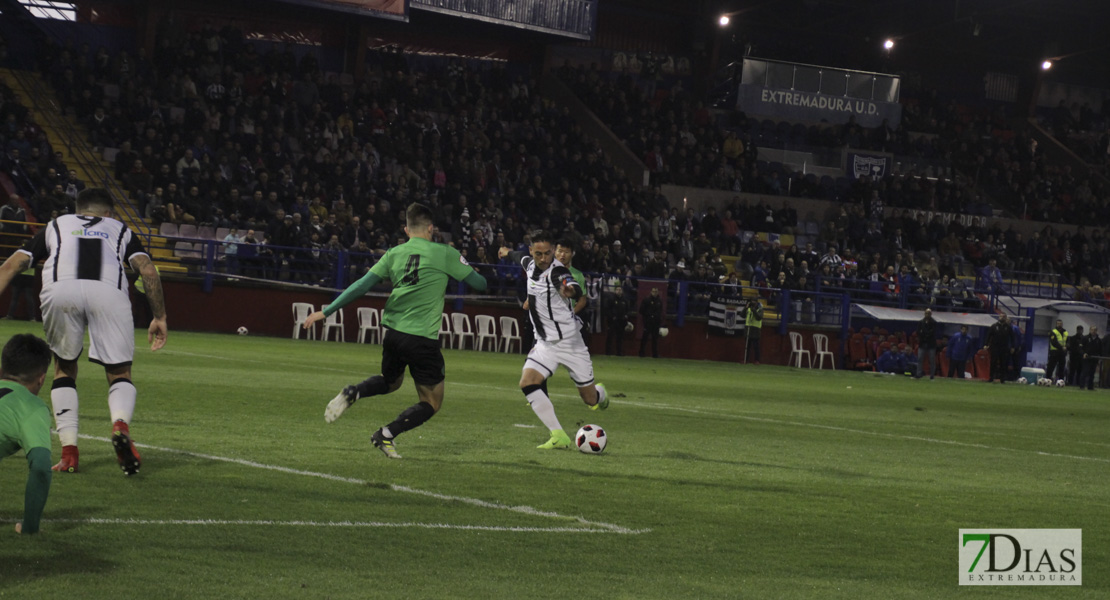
<point x="808" y="106"/>
<point x="724" y="315"/>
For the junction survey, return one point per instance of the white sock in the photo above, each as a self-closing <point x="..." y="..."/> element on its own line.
<point x="121" y="400"/>
<point x="386" y="433"/>
<point x="544" y="409"/>
<point x="63" y="399"/>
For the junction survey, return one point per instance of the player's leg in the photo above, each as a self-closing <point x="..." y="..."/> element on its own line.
<point x="121" y="404"/>
<point x="540" y="365"/>
<point x="112" y="345"/>
<point x="575" y="356"/>
<point x="425" y="363"/>
<point x="64" y="326"/>
<point x="63" y="400"/>
<point x="390" y="380"/>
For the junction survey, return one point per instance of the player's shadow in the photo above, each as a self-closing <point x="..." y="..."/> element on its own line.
<point x="47" y="555"/>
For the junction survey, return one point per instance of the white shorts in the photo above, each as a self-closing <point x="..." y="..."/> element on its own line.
<point x="572" y="353"/>
<point x="68" y="307"/>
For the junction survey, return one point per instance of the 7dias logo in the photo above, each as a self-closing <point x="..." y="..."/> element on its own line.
<point x="1021" y="557"/>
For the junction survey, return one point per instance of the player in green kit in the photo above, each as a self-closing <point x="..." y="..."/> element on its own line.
<point x="25" y="420"/>
<point x="419" y="270"/>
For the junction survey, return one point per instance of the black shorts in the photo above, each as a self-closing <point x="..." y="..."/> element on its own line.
<point x="420" y="354"/>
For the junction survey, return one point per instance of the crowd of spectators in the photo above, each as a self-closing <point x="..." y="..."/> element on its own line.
<point x="210" y="131"/>
<point x="681" y="142"/>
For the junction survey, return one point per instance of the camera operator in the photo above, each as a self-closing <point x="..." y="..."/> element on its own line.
<point x="753" y="329"/>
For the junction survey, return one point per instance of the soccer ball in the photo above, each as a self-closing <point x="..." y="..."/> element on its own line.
<point x="629" y="327"/>
<point x="591" y="439"/>
<point x="1059" y="383"/>
<point x="663" y="331"/>
<point x="1022" y="380"/>
<point x="1044" y="381"/>
<point x="242" y="331"/>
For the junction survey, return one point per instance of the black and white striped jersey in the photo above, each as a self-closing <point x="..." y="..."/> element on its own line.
<point x="553" y="318"/>
<point x="84" y="247"/>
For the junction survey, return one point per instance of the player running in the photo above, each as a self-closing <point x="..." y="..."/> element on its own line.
<point x="418" y="270"/>
<point x="552" y="294"/>
<point x="83" y="286"/>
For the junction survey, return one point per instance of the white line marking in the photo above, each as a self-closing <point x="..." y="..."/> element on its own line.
<point x="896" y="436"/>
<point x="527" y="510"/>
<point x="267" y="523"/>
<point x="523" y="426"/>
<point x="757" y="419"/>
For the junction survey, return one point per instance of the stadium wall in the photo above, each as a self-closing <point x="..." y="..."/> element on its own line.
<point x="268" y="311"/>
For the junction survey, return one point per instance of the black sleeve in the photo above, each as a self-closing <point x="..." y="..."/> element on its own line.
<point x="520" y="258"/>
<point x="133" y="247"/>
<point x="557" y="275"/>
<point x="36" y="246"/>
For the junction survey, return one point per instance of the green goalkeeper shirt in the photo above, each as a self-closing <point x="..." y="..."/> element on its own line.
<point x="420" y="271"/>
<point x="25" y="424"/>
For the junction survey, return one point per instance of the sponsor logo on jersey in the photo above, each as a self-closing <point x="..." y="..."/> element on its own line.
<point x="90" y="233"/>
<point x="462" y="259"/>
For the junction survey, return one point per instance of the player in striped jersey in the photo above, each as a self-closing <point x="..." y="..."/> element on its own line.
<point x="552" y="293"/>
<point x="83" y="286"/>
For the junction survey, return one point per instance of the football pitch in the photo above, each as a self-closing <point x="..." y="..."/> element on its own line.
<point x="719" y="481"/>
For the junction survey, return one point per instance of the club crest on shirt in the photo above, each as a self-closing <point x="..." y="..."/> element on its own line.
<point x="462" y="259"/>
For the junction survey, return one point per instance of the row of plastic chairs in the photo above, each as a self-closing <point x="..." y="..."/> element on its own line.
<point x="369" y="324"/>
<point x="455" y="330"/>
<point x="196" y="232"/>
<point x="820" y="347"/>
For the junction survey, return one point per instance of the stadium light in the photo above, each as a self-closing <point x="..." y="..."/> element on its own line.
<point x="1046" y="65"/>
<point x="888" y="44"/>
<point x="724" y="20"/>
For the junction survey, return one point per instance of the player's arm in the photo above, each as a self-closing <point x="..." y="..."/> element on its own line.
<point x="16" y="264"/>
<point x="581" y="304"/>
<point x="460" y="270"/>
<point x="38" y="488"/>
<point x="152" y="282"/>
<point x="476" y="281"/>
<point x="514" y="255"/>
<point x="355" y="291"/>
<point x="568" y="285"/>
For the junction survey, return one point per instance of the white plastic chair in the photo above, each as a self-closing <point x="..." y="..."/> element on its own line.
<point x="460" y="325"/>
<point x="445" y="331"/>
<point x="301" y="310"/>
<point x="821" y="346"/>
<point x="368" y="322"/>
<point x="335" y="321"/>
<point x="487" y="331"/>
<point x="510" y="332"/>
<point x="797" y="350"/>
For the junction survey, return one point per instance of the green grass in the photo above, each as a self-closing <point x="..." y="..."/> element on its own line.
<point x="720" y="481"/>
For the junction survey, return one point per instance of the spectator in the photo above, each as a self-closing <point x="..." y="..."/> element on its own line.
<point x="1075" y="355"/>
<point x="651" y="315"/>
<point x="616" y="319"/>
<point x="1092" y="350"/>
<point x="960" y="347"/>
<point x="1000" y="342"/>
<point x="927" y="345"/>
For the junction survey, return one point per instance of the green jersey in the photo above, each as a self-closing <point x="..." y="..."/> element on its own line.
<point x="579" y="277"/>
<point x="419" y="270"/>
<point x="24" y="420"/>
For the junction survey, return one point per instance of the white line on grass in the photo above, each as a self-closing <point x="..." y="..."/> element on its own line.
<point x="748" y="418"/>
<point x="896" y="436"/>
<point x="268" y="523"/>
<point x="527" y="510"/>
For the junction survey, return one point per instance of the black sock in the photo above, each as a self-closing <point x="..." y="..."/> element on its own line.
<point x="411" y="418"/>
<point x="374" y="386"/>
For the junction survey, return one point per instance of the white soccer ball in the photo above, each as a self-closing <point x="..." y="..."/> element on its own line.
<point x="663" y="331"/>
<point x="242" y="331"/>
<point x="591" y="439"/>
<point x="1022" y="380"/>
<point x="629" y="327"/>
<point x="1060" y="383"/>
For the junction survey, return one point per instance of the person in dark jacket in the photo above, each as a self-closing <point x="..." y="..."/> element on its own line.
<point x="616" y="320"/>
<point x="927" y="345"/>
<point x="651" y="311"/>
<point x="960" y="347"/>
<point x="1075" y="356"/>
<point x="1000" y="342"/>
<point x="1092" y="349"/>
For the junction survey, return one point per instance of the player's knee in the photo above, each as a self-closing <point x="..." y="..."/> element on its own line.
<point x="396" y="383"/>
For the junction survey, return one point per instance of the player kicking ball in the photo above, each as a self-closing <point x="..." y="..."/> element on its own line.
<point x="552" y="294"/>
<point x="419" y="270"/>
